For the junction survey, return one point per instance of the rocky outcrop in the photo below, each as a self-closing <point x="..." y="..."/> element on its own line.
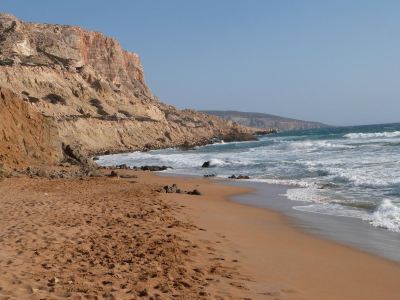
<point x="94" y="92"/>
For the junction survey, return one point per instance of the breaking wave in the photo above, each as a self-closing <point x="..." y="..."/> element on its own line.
<point x="386" y="216"/>
<point x="384" y="134"/>
<point x="316" y="145"/>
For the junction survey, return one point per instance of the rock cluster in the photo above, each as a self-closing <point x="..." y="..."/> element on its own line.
<point x="154" y="168"/>
<point x="239" y="177"/>
<point x="142" y="168"/>
<point x="209" y="175"/>
<point x="172" y="189"/>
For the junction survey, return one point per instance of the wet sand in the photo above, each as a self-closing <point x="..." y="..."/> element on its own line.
<point x="119" y="238"/>
<point x="285" y="262"/>
<point x="345" y="230"/>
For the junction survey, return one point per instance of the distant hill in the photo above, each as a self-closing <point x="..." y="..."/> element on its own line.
<point x="260" y="120"/>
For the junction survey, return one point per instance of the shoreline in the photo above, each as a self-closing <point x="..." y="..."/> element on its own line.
<point x="338" y="264"/>
<point x="347" y="231"/>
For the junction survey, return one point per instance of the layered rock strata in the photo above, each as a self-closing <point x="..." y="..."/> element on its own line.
<point x="94" y="92"/>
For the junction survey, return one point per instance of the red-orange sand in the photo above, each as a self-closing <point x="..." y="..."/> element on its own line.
<point x="116" y="238"/>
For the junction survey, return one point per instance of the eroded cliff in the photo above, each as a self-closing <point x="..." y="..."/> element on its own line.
<point x="26" y="136"/>
<point x="94" y="92"/>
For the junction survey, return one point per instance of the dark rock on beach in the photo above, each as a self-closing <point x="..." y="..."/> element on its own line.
<point x="194" y="192"/>
<point x="75" y="156"/>
<point x="154" y="168"/>
<point x="173" y="189"/>
<point x="239" y="177"/>
<point x="170" y="188"/>
<point x="113" y="174"/>
<point x="206" y="164"/>
<point x="123" y="166"/>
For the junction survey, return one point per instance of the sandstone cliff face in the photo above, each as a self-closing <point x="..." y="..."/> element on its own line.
<point x="69" y="47"/>
<point x="94" y="91"/>
<point x="26" y="137"/>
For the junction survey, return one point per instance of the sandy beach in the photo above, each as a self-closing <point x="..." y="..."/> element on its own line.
<point x="262" y="162"/>
<point x="119" y="238"/>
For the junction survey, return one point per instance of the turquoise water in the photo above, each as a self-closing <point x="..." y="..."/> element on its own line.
<point x="346" y="171"/>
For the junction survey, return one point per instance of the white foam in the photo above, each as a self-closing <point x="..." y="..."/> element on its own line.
<point x="366" y="176"/>
<point x="316" y="145"/>
<point x="386" y="216"/>
<point x="384" y="134"/>
<point x="333" y="210"/>
<point x="214" y="162"/>
<point x="307" y="194"/>
<point x="294" y="183"/>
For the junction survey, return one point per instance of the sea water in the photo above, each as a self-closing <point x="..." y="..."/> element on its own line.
<point x="345" y="171"/>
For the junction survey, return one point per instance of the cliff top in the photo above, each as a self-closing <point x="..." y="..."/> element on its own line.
<point x="69" y="48"/>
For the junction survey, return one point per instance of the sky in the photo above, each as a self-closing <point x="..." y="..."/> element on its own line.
<point x="333" y="61"/>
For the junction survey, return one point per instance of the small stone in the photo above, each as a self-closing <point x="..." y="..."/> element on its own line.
<point x="194" y="192"/>
<point x="53" y="281"/>
<point x="143" y="293"/>
<point x="113" y="174"/>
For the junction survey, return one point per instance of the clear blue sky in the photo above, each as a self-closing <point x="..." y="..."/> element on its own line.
<point x="332" y="61"/>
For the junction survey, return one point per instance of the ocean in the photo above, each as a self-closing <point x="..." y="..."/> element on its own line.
<point x="344" y="171"/>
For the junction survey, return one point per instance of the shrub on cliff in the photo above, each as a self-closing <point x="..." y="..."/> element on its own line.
<point x="125" y="113"/>
<point x="55" y="99"/>
<point x="100" y="109"/>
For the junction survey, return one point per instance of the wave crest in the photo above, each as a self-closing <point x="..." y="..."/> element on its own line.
<point x="386" y="216"/>
<point x="316" y="145"/>
<point x="215" y="162"/>
<point x="384" y="134"/>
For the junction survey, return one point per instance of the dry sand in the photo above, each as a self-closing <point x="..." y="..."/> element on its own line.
<point x="119" y="238"/>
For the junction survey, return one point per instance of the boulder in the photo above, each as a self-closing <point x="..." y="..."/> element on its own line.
<point x="206" y="164"/>
<point x="75" y="156"/>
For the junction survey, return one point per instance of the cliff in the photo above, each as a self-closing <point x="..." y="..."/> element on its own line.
<point x="94" y="92"/>
<point x="260" y="120"/>
<point x="26" y="137"/>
